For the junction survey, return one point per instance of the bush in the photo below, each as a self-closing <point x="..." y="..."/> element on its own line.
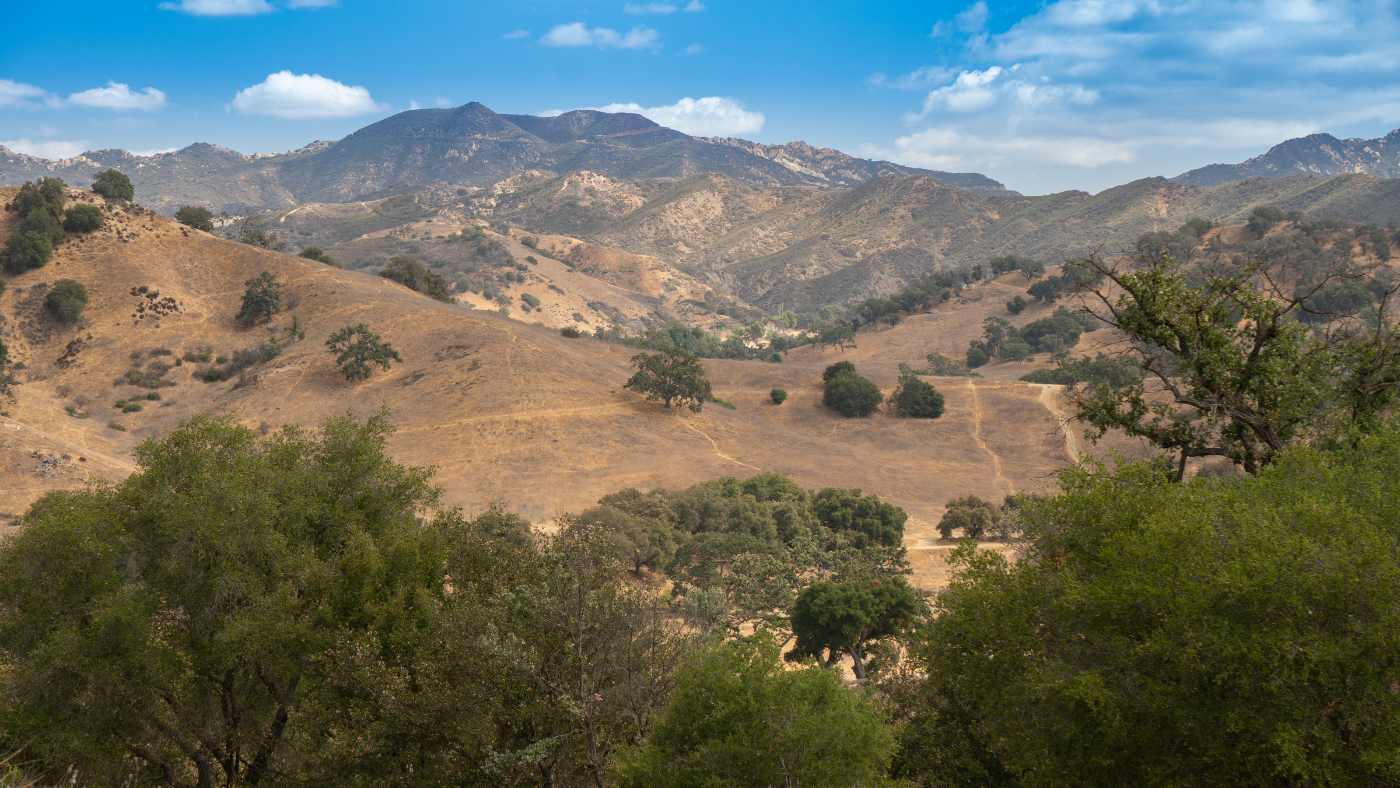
<point x="570" y="332"/>
<point x="916" y="399"/>
<point x="25" y="251"/>
<point x="530" y="300"/>
<point x="113" y="185"/>
<point x="848" y="393"/>
<point x="46" y="192"/>
<point x="778" y="396"/>
<point x="1263" y="219"/>
<point x="66" y="300"/>
<point x="1100" y="370"/>
<point x="411" y="273"/>
<point x="261" y="300"/>
<point x="318" y="254"/>
<point x="1016" y="305"/>
<point x="196" y="217"/>
<point x="82" y="218"/>
<point x="43" y="222"/>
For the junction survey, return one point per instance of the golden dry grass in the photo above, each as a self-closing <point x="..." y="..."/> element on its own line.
<point x="505" y="410"/>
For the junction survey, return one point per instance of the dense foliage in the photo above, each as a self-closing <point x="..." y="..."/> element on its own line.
<point x="1223" y="632"/>
<point x="114" y="185"/>
<point x="65" y="300"/>
<point x="1101" y="370"/>
<point x="915" y="398"/>
<point x="31" y="242"/>
<point x="671" y="377"/>
<point x="848" y="393"/>
<point x="1054" y="334"/>
<point x="411" y="273"/>
<point x="82" y="218"/>
<point x="197" y="217"/>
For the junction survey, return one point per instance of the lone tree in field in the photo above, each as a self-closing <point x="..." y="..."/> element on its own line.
<point x="915" y="398"/>
<point x="66" y="300"/>
<point x="113" y="185"/>
<point x="196" y="217"/>
<point x="356" y="348"/>
<point x="835" y="618"/>
<point x="672" y="377"/>
<point x="261" y="300"/>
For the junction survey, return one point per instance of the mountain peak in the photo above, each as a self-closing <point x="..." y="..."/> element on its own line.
<point x="1319" y="154"/>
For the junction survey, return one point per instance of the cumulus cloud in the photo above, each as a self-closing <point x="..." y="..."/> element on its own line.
<point x="711" y="116"/>
<point x="46" y="149"/>
<point x="220" y="7"/>
<point x="119" y="96"/>
<point x="973" y="91"/>
<point x="578" y="34"/>
<point x="304" y="96"/>
<point x="18" y="94"/>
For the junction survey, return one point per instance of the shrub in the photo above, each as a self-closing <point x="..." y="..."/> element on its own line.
<point x="82" y="218"/>
<point x="778" y="396"/>
<point x="261" y="300"/>
<point x="411" y="273"/>
<point x="570" y="332"/>
<point x="197" y="217"/>
<point x="1016" y="305"/>
<point x="916" y="399"/>
<point x="1100" y="370"/>
<point x="530" y="300"/>
<point x="24" y="251"/>
<point x="356" y="348"/>
<point x="1263" y="219"/>
<point x="45" y="192"/>
<point x="66" y="300"/>
<point x="319" y="255"/>
<point x="43" y="222"/>
<point x="113" y="185"/>
<point x="848" y="393"/>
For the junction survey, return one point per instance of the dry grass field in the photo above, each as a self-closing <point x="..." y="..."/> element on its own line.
<point x="504" y="410"/>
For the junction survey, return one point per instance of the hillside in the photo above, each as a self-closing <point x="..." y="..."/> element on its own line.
<point x="1315" y="154"/>
<point x="505" y="411"/>
<point x="468" y="146"/>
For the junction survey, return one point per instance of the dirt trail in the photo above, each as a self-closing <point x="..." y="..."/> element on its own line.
<point x="718" y="452"/>
<point x="1050" y="398"/>
<point x="982" y="444"/>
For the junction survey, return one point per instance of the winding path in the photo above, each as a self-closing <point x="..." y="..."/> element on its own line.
<point x="982" y="444"/>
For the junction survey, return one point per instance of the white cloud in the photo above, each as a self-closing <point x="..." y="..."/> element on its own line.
<point x="119" y="96"/>
<point x="516" y="35"/>
<point x="18" y="94"/>
<point x="694" y="7"/>
<point x="945" y="148"/>
<point x="712" y="116"/>
<point x="969" y="92"/>
<point x="311" y="3"/>
<point x="303" y="96"/>
<point x="641" y="9"/>
<point x="220" y="7"/>
<point x="153" y="151"/>
<point x="918" y="79"/>
<point x="693" y="49"/>
<point x="577" y="34"/>
<point x="46" y="149"/>
<point x="970" y="20"/>
<point x="974" y="91"/>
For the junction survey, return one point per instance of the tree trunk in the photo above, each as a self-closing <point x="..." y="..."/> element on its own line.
<point x="858" y="664"/>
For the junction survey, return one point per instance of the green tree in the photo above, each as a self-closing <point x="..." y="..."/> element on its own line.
<point x="1016" y="305"/>
<point x="645" y="542"/>
<point x="835" y="618"/>
<point x="848" y="393"/>
<point x="262" y="298"/>
<point x="915" y="398"/>
<point x="7" y="375"/>
<point x="411" y="273"/>
<point x="42" y="221"/>
<point x="1234" y="374"/>
<point x="971" y="515"/>
<point x="865" y="519"/>
<point x="65" y="300"/>
<point x="1236" y="631"/>
<point x="25" y="251"/>
<point x="50" y="193"/>
<point x="739" y="718"/>
<point x="672" y="377"/>
<point x="82" y="218"/>
<point x="778" y="396"/>
<point x="356" y="348"/>
<point x="172" y="629"/>
<point x="113" y="185"/>
<point x="318" y="254"/>
<point x="198" y="217"/>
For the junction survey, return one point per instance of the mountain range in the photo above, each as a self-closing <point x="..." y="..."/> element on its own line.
<point x="468" y="145"/>
<point x="1315" y="154"/>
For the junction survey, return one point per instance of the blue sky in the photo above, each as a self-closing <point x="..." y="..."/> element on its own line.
<point x="1043" y="95"/>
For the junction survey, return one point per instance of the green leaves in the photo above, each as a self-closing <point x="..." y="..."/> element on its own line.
<point x="672" y="377"/>
<point x="356" y="348"/>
